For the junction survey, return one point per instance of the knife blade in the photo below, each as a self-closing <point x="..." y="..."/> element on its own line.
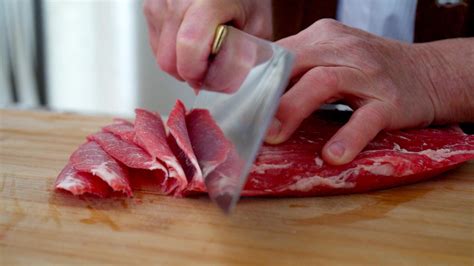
<point x="245" y="80"/>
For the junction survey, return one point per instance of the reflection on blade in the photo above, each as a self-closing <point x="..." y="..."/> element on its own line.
<point x="223" y="182"/>
<point x="243" y="113"/>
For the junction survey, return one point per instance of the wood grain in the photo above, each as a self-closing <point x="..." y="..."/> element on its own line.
<point x="426" y="223"/>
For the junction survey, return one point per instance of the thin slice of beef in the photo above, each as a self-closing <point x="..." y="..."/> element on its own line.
<point x="79" y="183"/>
<point x="224" y="181"/>
<point x="221" y="164"/>
<point x="209" y="143"/>
<point x="121" y="128"/>
<point x="148" y="181"/>
<point x="151" y="135"/>
<point x="180" y="144"/>
<point x="91" y="158"/>
<point x="125" y="152"/>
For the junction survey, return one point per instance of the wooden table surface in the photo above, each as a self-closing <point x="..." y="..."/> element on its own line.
<point x="426" y="223"/>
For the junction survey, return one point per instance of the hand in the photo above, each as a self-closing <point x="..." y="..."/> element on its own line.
<point x="181" y="31"/>
<point x="388" y="84"/>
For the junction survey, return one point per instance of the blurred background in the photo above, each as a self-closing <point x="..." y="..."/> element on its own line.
<point x="88" y="56"/>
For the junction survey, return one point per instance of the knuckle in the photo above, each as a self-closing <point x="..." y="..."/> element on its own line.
<point x="377" y="114"/>
<point x="325" y="78"/>
<point x="326" y="24"/>
<point x="261" y="28"/>
<point x="188" y="37"/>
<point x="147" y="8"/>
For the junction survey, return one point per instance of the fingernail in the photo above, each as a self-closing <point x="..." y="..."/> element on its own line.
<point x="273" y="131"/>
<point x="337" y="149"/>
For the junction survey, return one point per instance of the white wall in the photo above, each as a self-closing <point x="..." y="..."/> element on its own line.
<point x="99" y="60"/>
<point x="17" y="48"/>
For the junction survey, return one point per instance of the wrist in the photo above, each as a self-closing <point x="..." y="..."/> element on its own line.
<point x="450" y="87"/>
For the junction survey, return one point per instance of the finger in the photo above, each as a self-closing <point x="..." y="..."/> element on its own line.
<point x="194" y="40"/>
<point x="152" y="37"/>
<point x="364" y="124"/>
<point x="314" y="88"/>
<point x="151" y="9"/>
<point x="166" y="54"/>
<point x="232" y="64"/>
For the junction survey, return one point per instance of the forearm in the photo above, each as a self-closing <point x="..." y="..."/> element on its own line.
<point x="449" y="66"/>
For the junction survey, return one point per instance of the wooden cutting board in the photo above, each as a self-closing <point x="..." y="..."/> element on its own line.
<point x="426" y="223"/>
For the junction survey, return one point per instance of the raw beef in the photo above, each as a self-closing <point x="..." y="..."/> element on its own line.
<point x="151" y="135"/>
<point x="79" y="183"/>
<point x="217" y="157"/>
<point x="181" y="145"/>
<point x="209" y="143"/>
<point x="224" y="181"/>
<point x="123" y="129"/>
<point x="294" y="168"/>
<point x="125" y="152"/>
<point x="91" y="158"/>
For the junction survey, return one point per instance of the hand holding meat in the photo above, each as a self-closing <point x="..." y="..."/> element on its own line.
<point x="181" y="31"/>
<point x="391" y="85"/>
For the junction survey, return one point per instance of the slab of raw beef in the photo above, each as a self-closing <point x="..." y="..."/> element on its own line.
<point x="294" y="168"/>
<point x="181" y="145"/>
<point x="91" y="158"/>
<point x="150" y="134"/>
<point x="79" y="183"/>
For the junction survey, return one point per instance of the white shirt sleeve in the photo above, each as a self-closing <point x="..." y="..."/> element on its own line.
<point x="393" y="19"/>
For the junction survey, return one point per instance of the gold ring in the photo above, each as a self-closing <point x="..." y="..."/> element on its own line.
<point x="221" y="33"/>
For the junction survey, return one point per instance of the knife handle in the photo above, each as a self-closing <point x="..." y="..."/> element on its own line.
<point x="221" y="33"/>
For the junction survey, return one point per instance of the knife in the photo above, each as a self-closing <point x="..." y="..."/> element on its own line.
<point x="241" y="90"/>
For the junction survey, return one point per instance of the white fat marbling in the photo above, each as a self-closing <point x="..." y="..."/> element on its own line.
<point x="154" y="165"/>
<point x="197" y="174"/>
<point x="340" y="181"/>
<point x="435" y="155"/>
<point x="104" y="173"/>
<point x="262" y="168"/>
<point x="318" y="161"/>
<point x="175" y="169"/>
<point x="441" y="154"/>
<point x="70" y="182"/>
